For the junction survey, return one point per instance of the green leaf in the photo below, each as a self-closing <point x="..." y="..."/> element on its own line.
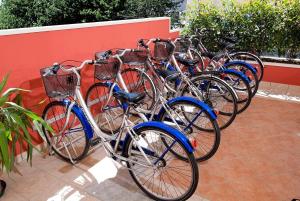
<point x="39" y="129"/>
<point x="4" y="147"/>
<point x="3" y="100"/>
<point x="3" y="82"/>
<point x="13" y="90"/>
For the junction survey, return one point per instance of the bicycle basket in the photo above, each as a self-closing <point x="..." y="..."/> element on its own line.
<point x="182" y="45"/>
<point x="163" y="50"/>
<point x="59" y="85"/>
<point x="107" y="69"/>
<point x="135" y="57"/>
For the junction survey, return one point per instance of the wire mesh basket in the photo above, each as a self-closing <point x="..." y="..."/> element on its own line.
<point x="134" y="57"/>
<point x="182" y="45"/>
<point x="163" y="50"/>
<point x="60" y="84"/>
<point x="107" y="69"/>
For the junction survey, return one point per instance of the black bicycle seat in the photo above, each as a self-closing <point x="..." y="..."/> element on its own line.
<point x="129" y="97"/>
<point x="187" y="62"/>
<point x="168" y="74"/>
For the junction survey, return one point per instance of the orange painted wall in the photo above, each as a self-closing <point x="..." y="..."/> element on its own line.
<point x="284" y="75"/>
<point x="23" y="55"/>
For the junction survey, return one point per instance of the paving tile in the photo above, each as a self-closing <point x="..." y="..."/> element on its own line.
<point x="258" y="159"/>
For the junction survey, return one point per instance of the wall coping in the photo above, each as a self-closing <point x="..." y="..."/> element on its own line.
<point x="77" y="26"/>
<point x="283" y="65"/>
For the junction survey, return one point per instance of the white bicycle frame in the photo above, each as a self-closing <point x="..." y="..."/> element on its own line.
<point x="104" y="137"/>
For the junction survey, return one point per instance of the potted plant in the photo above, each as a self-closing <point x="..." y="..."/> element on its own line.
<point x="15" y="123"/>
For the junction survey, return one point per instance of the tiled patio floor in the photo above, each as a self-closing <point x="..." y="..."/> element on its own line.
<point x="258" y="159"/>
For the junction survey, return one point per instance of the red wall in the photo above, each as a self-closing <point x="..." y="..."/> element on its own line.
<point x="285" y="75"/>
<point x="23" y="55"/>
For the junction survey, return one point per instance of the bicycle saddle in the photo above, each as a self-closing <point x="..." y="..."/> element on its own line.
<point x="129" y="97"/>
<point x="169" y="75"/>
<point x="187" y="62"/>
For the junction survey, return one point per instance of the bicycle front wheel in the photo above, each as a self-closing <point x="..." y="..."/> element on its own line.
<point x="68" y="139"/>
<point x="168" y="178"/>
<point x="107" y="113"/>
<point x="137" y="80"/>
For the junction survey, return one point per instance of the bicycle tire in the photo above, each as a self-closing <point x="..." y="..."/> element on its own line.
<point x="243" y="104"/>
<point x="224" y="118"/>
<point x="201" y="153"/>
<point x="252" y="76"/>
<point x="96" y="98"/>
<point x="259" y="67"/>
<point x="190" y="165"/>
<point x="51" y="108"/>
<point x="144" y="84"/>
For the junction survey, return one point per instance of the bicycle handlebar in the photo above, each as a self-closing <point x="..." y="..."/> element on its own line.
<point x="54" y="69"/>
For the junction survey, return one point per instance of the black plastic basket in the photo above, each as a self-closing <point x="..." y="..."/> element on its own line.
<point x="107" y="69"/>
<point x="163" y="50"/>
<point x="59" y="85"/>
<point x="135" y="57"/>
<point x="182" y="45"/>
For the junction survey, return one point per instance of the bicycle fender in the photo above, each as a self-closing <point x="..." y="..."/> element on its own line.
<point x="86" y="125"/>
<point x="203" y="105"/>
<point x="172" y="131"/>
<point x="249" y="66"/>
<point x="242" y="75"/>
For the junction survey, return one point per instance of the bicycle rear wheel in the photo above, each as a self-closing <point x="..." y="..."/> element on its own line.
<point x="191" y="117"/>
<point x="252" y="76"/>
<point x="241" y="87"/>
<point x="168" y="178"/>
<point x="217" y="94"/>
<point x="250" y="58"/>
<point x="72" y="143"/>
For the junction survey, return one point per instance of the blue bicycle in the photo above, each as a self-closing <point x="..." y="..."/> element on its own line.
<point x="147" y="149"/>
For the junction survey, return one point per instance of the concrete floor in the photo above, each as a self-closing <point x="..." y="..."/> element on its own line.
<point x="258" y="159"/>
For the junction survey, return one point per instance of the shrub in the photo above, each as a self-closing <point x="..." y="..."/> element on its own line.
<point x="259" y="25"/>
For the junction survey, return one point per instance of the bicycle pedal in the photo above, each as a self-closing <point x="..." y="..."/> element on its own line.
<point x="95" y="141"/>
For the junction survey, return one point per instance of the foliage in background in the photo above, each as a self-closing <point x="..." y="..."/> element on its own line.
<point x="15" y="123"/>
<point x="153" y="8"/>
<point x="28" y="13"/>
<point x="259" y="25"/>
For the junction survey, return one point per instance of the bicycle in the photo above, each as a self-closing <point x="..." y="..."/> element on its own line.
<point x="141" y="151"/>
<point x="207" y="87"/>
<point x="228" y="54"/>
<point x="238" y="79"/>
<point x="184" y="113"/>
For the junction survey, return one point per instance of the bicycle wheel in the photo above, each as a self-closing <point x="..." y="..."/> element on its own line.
<point x="190" y="116"/>
<point x="217" y="94"/>
<point x="72" y="142"/>
<point x="252" y="76"/>
<point x="108" y="114"/>
<point x="168" y="178"/>
<point x="137" y="80"/>
<point x="250" y="58"/>
<point x="241" y="87"/>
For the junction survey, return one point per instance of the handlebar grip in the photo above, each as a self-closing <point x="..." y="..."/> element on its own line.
<point x="142" y="43"/>
<point x="162" y="40"/>
<point x="55" y="68"/>
<point x="91" y="62"/>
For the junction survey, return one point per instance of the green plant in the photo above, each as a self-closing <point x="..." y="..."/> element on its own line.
<point x="260" y="25"/>
<point x="15" y="123"/>
<point x="29" y="13"/>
